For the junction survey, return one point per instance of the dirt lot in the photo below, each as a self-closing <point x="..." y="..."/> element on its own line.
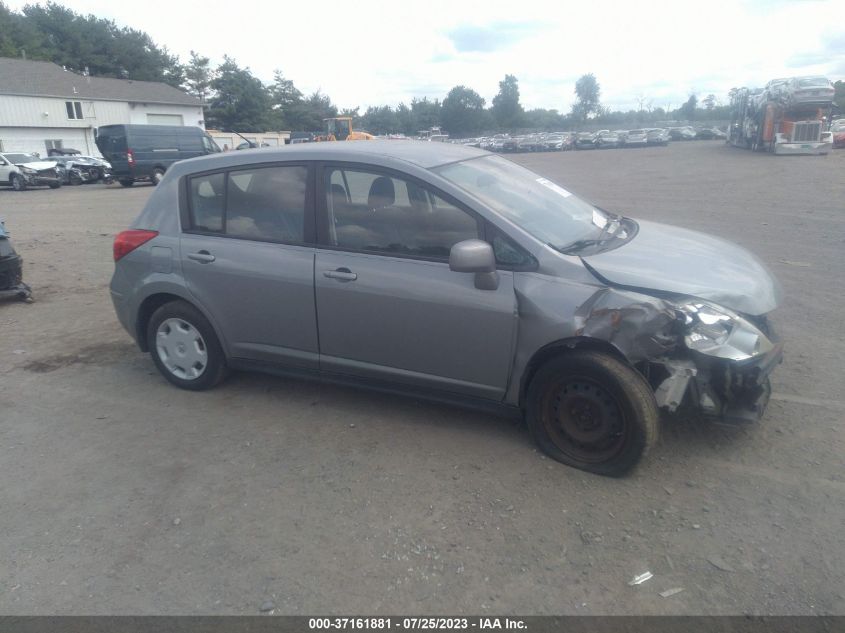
<point x="121" y="494"/>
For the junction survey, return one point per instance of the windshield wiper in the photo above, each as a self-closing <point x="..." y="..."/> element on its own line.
<point x="604" y="235"/>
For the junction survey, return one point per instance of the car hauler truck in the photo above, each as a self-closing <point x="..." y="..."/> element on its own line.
<point x="786" y="117"/>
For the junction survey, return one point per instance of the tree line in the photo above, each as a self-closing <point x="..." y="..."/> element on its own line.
<point x="237" y="100"/>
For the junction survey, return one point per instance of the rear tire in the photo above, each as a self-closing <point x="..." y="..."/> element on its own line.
<point x="126" y="182"/>
<point x="185" y="348"/>
<point x="589" y="410"/>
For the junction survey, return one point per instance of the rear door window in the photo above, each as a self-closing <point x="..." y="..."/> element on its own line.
<point x="263" y="203"/>
<point x="267" y="204"/>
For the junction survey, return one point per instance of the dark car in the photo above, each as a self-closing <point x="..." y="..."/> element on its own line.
<point x="708" y="134"/>
<point x="681" y="133"/>
<point x="11" y="270"/>
<point x="585" y="140"/>
<point x="442" y="270"/>
<point x="145" y="152"/>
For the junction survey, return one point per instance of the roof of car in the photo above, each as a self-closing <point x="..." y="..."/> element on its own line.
<point x="425" y="154"/>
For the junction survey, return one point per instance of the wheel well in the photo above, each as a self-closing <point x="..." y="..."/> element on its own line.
<point x="145" y="312"/>
<point x="558" y="348"/>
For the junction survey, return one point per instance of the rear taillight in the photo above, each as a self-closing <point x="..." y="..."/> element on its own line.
<point x="127" y="241"/>
<point x="130" y="157"/>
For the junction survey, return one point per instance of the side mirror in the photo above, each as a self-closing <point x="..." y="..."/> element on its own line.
<point x="475" y="256"/>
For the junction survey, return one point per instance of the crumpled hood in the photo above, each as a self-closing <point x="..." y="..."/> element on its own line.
<point x="671" y="259"/>
<point x="38" y="164"/>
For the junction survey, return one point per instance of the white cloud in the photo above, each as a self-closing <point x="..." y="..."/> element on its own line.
<point x="374" y="52"/>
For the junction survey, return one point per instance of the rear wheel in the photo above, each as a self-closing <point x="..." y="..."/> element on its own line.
<point x="126" y="182"/>
<point x="55" y="185"/>
<point x="184" y="347"/>
<point x="18" y="183"/>
<point x="589" y="410"/>
<point x="75" y="179"/>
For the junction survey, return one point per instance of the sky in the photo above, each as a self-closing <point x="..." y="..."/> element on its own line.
<point x="375" y="52"/>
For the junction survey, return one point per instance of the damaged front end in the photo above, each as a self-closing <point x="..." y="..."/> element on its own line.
<point x="700" y="358"/>
<point x="11" y="271"/>
<point x="722" y="371"/>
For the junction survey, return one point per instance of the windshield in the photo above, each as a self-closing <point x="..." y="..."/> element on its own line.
<point x="548" y="212"/>
<point x="21" y="158"/>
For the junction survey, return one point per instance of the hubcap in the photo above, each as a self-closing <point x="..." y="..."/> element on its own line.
<point x="181" y="349"/>
<point x="584" y="420"/>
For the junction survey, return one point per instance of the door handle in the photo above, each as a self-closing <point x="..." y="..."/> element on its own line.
<point x="341" y="274"/>
<point x="203" y="257"/>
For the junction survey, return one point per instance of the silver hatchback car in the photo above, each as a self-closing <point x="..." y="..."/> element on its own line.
<point x="447" y="272"/>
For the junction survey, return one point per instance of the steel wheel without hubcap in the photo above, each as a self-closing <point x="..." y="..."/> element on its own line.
<point x="584" y="420"/>
<point x="181" y="349"/>
<point x="592" y="410"/>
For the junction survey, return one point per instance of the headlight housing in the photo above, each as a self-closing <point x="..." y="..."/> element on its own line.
<point x="28" y="170"/>
<point x="716" y="331"/>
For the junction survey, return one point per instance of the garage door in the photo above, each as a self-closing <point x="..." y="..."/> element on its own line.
<point x="165" y="119"/>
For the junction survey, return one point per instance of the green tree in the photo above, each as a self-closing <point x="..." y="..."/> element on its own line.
<point x="81" y="42"/>
<point x="709" y="102"/>
<point x="546" y="120"/>
<point x="588" y="92"/>
<point x="198" y="76"/>
<point x="688" y="109"/>
<point x="425" y="114"/>
<point x="289" y="111"/>
<point x="240" y="103"/>
<point x="380" y="120"/>
<point x="839" y="94"/>
<point x="462" y="112"/>
<point x="316" y="108"/>
<point x="506" y="109"/>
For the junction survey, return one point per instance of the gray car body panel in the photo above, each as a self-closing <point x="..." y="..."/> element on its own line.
<point x="436" y="332"/>
<point x="671" y="259"/>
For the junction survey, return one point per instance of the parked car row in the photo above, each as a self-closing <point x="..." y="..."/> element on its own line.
<point x="603" y="139"/>
<point x="21" y="171"/>
<point x="132" y="153"/>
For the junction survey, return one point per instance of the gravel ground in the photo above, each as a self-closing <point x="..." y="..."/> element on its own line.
<point x="121" y="494"/>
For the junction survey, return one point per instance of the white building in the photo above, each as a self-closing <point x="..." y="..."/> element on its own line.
<point x="43" y="106"/>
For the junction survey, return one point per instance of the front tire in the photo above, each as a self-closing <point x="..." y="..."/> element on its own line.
<point x="126" y="182"/>
<point x="185" y="348"/>
<point x="55" y="185"/>
<point x="18" y="183"/>
<point x="157" y="176"/>
<point x="591" y="411"/>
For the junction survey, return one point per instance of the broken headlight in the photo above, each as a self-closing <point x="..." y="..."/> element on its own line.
<point x="716" y="331"/>
<point x="28" y="170"/>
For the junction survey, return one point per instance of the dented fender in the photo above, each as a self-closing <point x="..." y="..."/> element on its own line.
<point x="553" y="309"/>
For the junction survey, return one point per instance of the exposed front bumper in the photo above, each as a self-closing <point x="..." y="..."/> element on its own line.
<point x="41" y="179"/>
<point x="802" y="148"/>
<point x="721" y="390"/>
